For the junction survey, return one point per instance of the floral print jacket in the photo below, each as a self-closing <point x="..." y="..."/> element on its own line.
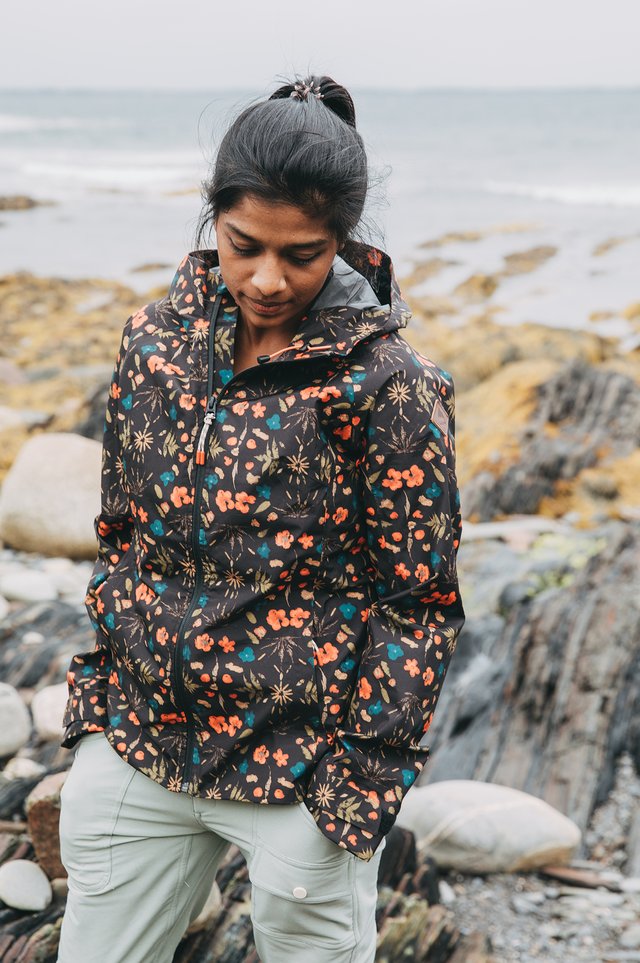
<point x="275" y="594"/>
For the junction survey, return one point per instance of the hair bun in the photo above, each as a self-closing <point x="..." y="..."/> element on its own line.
<point x="333" y="95"/>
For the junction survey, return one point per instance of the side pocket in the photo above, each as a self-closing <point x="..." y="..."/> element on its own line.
<point x="91" y="799"/>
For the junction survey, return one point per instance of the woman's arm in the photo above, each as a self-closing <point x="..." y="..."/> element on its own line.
<point x="413" y="520"/>
<point x="88" y="672"/>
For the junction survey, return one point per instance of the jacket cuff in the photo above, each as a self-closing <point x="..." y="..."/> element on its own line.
<point x="76" y="730"/>
<point x="86" y="709"/>
<point x="349" y="809"/>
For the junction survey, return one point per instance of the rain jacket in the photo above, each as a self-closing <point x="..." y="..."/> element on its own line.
<point x="275" y="594"/>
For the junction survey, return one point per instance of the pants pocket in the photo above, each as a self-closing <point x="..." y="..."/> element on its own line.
<point x="90" y="802"/>
<point x="302" y="885"/>
<point x="303" y="901"/>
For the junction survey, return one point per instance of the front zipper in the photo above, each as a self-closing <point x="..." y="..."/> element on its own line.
<point x="182" y="698"/>
<point x="209" y="419"/>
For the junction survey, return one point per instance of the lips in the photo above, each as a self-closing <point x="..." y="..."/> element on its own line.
<point x="267" y="307"/>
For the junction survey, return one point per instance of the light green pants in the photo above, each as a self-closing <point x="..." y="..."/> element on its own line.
<point x="141" y="862"/>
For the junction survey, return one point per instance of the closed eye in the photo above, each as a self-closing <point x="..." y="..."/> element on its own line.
<point x="252" y="251"/>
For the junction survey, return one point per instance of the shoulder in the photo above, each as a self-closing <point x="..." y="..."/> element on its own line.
<point x="148" y="320"/>
<point x="411" y="388"/>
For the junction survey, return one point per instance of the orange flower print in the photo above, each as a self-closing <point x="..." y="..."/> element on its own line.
<point x="297" y="617"/>
<point x="374" y="257"/>
<point x="224" y="501"/>
<point x="284" y="539"/>
<point x="414" y="476"/>
<point x="180" y="496"/>
<point x="162" y="636"/>
<point x="394" y="480"/>
<point x="401" y="570"/>
<point x="204" y="642"/>
<point x="145" y="594"/>
<point x="411" y="666"/>
<point x="281" y="758"/>
<point x="244" y="501"/>
<point x="227" y="644"/>
<point x="260" y="754"/>
<point x="277" y="618"/>
<point x="340" y="515"/>
<point x="187" y="401"/>
<point x="328" y="393"/>
<point x="328" y="653"/>
<point x="139" y="318"/>
<point x="235" y="723"/>
<point x="240" y="407"/>
<point x="306" y="541"/>
<point x="428" y="675"/>
<point x="422" y="572"/>
<point x="218" y="723"/>
<point x="364" y="688"/>
<point x="311" y="392"/>
<point x="258" y="410"/>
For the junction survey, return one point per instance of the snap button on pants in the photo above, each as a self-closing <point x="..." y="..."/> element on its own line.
<point x="141" y="861"/>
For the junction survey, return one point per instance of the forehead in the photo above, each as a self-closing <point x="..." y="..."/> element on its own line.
<point x="271" y="222"/>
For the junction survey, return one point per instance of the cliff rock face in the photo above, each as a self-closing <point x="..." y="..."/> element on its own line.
<point x="547" y="696"/>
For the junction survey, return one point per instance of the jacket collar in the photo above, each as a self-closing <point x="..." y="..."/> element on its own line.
<point x="331" y="330"/>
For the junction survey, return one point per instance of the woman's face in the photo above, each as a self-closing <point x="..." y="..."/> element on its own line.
<point x="274" y="259"/>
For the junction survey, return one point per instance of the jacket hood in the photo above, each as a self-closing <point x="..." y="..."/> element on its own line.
<point x="328" y="328"/>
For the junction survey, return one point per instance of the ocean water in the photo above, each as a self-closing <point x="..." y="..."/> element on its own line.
<point x="123" y="170"/>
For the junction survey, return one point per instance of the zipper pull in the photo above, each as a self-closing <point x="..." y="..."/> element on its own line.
<point x="209" y="418"/>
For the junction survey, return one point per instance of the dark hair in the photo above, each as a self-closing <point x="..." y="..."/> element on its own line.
<point x="301" y="149"/>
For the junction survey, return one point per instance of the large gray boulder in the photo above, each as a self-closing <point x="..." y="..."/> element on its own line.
<point x="51" y="496"/>
<point x="480" y="827"/>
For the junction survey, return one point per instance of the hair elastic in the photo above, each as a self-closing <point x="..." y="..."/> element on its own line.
<point x="301" y="91"/>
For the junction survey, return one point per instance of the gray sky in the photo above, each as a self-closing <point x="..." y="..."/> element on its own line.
<point x="363" y="43"/>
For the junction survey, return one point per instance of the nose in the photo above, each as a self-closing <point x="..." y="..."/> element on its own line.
<point x="268" y="278"/>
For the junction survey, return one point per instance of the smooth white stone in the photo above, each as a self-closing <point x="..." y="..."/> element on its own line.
<point x="47" y="708"/>
<point x="15" y="721"/>
<point x="51" y="496"/>
<point x="23" y="885"/>
<point x="27" y="585"/>
<point x="474" y="826"/>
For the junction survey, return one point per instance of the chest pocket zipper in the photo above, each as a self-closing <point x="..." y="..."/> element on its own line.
<point x="319" y="687"/>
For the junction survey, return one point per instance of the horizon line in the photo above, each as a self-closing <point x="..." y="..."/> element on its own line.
<point x="517" y="88"/>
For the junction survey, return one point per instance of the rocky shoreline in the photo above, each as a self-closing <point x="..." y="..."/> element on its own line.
<point x="543" y="694"/>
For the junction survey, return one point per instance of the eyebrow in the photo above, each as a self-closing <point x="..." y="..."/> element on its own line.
<point x="318" y="242"/>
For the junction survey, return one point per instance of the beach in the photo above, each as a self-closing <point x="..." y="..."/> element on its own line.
<point x="515" y="230"/>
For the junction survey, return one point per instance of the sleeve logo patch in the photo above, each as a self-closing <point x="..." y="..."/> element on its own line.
<point x="440" y="417"/>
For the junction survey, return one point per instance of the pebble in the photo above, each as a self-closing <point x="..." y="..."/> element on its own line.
<point x="47" y="707"/>
<point x="630" y="938"/>
<point x="15" y="721"/>
<point x="24" y="886"/>
<point x="33" y="638"/>
<point x="25" y="585"/>
<point x="447" y="893"/>
<point x="60" y="887"/>
<point x="21" y="767"/>
<point x="522" y="904"/>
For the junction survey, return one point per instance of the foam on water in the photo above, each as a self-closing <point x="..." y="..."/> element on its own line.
<point x="608" y="195"/>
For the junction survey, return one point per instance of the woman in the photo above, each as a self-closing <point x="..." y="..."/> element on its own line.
<point x="275" y="595"/>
